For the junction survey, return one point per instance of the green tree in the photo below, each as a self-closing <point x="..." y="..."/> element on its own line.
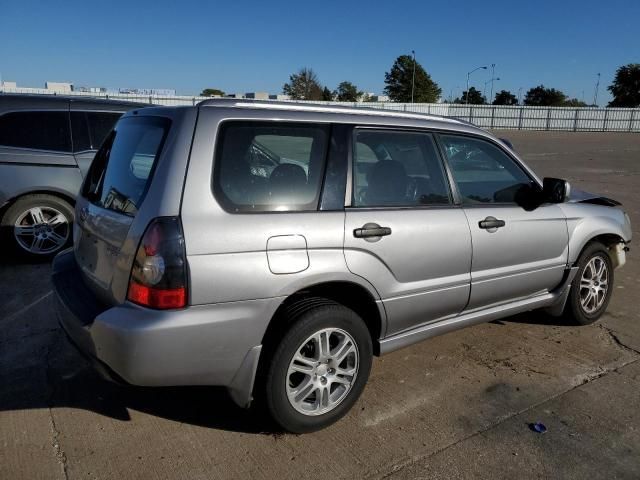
<point x="505" y="97"/>
<point x="212" y="92"/>
<point x="303" y="85"/>
<point x="475" y="97"/>
<point x="574" y="102"/>
<point x="399" y="80"/>
<point x="347" y="92"/>
<point x="327" y="95"/>
<point x="626" y="86"/>
<point x="547" y="97"/>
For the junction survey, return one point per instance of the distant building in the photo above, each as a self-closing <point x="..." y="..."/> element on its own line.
<point x="90" y="89"/>
<point x="234" y="95"/>
<point x="257" y="95"/>
<point x="279" y="97"/>
<point x="59" y="87"/>
<point x="4" y="84"/>
<point x="379" y="98"/>
<point x="157" y="92"/>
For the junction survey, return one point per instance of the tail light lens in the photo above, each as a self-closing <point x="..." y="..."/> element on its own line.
<point x="159" y="275"/>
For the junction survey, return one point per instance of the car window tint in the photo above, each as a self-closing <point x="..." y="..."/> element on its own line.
<point x="100" y="124"/>
<point x="80" y="132"/>
<point x="121" y="172"/>
<point x="270" y="167"/>
<point x="482" y="171"/>
<point x="397" y="169"/>
<point x="41" y="130"/>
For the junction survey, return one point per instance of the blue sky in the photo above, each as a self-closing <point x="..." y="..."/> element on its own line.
<point x="244" y="46"/>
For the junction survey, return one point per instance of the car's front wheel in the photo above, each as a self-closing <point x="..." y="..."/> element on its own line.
<point x="592" y="286"/>
<point x="38" y="225"/>
<point x="319" y="368"/>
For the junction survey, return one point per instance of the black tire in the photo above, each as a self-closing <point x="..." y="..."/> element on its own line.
<point x="310" y="317"/>
<point x="48" y="204"/>
<point x="574" y="309"/>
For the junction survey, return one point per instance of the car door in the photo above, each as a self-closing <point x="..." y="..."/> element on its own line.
<point x="402" y="232"/>
<point x="516" y="253"/>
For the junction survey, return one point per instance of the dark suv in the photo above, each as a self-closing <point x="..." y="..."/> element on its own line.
<point x="46" y="147"/>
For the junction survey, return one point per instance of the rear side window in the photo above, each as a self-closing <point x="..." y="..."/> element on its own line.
<point x="262" y="166"/>
<point x="42" y="130"/>
<point x="91" y="128"/>
<point x="121" y="171"/>
<point x="393" y="168"/>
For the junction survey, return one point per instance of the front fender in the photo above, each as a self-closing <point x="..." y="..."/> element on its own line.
<point x="587" y="221"/>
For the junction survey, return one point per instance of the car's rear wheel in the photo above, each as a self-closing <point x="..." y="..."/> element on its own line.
<point x="319" y="369"/>
<point x="38" y="225"/>
<point x="592" y="286"/>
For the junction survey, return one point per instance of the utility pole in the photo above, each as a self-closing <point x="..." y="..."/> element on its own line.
<point x="413" y="79"/>
<point x="520" y="96"/>
<point x="493" y="77"/>
<point x="595" y="94"/>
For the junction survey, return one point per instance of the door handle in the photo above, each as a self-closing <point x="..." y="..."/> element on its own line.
<point x="491" y="224"/>
<point x="371" y="231"/>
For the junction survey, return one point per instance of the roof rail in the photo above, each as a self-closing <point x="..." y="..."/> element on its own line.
<point x="319" y="107"/>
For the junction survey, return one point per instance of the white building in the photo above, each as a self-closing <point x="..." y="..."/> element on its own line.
<point x="59" y="87"/>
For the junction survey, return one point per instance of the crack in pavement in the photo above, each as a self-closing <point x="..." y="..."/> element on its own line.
<point x="616" y="340"/>
<point x="55" y="433"/>
<point x="588" y="378"/>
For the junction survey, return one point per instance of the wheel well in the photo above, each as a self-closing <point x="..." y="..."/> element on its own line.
<point x="351" y="295"/>
<point x="607" y="239"/>
<point x="67" y="198"/>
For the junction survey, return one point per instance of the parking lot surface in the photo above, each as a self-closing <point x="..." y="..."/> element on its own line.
<point x="456" y="406"/>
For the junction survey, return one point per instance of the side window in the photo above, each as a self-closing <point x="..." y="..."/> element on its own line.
<point x="80" y="132"/>
<point x="100" y="124"/>
<point x="482" y="171"/>
<point x="91" y="128"/>
<point x="262" y="166"/>
<point x="392" y="168"/>
<point x="42" y="130"/>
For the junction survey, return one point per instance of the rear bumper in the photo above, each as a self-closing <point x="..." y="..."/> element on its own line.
<point x="200" y="345"/>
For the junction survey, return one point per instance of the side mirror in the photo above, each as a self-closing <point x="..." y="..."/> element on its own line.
<point x="555" y="190"/>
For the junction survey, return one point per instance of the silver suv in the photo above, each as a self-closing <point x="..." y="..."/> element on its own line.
<point x="274" y="248"/>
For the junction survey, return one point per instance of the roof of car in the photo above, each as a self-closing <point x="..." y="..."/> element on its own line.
<point x="35" y="99"/>
<point x="324" y="108"/>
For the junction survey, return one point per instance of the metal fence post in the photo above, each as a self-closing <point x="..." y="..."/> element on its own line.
<point x="520" y="118"/>
<point x="548" y="118"/>
<point x="631" y="119"/>
<point x="575" y="121"/>
<point x="604" y="122"/>
<point x="428" y="109"/>
<point x="404" y="107"/>
<point x="493" y="114"/>
<point x="470" y="114"/>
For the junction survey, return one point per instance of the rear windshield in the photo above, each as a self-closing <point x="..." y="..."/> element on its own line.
<point x="121" y="171"/>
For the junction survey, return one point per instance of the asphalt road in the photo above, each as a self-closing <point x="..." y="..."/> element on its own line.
<point x="457" y="406"/>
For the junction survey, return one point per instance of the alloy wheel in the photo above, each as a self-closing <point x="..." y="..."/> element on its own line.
<point x="322" y="371"/>
<point x="41" y="230"/>
<point x="594" y="285"/>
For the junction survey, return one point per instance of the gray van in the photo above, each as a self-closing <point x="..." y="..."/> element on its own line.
<point x="46" y="146"/>
<point x="274" y="248"/>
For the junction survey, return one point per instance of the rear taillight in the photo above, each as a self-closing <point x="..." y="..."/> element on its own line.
<point x="159" y="274"/>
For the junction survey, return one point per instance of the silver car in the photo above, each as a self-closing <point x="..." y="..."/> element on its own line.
<point x="274" y="248"/>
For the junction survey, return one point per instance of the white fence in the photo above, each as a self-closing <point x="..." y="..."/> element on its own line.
<point x="485" y="116"/>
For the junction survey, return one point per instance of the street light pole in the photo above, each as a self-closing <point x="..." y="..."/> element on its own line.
<point x="520" y="96"/>
<point x="468" y="75"/>
<point x="493" y="77"/>
<point x="484" y="89"/>
<point x="413" y="79"/>
<point x="595" y="95"/>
